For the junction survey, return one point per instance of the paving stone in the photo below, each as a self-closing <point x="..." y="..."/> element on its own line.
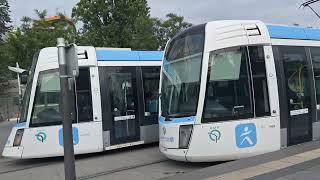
<point x="293" y="159"/>
<point x="275" y="165"/>
<point x="253" y="171"/>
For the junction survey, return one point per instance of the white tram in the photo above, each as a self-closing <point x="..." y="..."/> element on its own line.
<point x="116" y="100"/>
<point x="233" y="89"/>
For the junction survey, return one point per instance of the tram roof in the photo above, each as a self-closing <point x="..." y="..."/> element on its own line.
<point x="127" y="55"/>
<point x="293" y="32"/>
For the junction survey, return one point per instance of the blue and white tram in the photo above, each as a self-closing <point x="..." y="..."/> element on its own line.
<point x="116" y="98"/>
<point x="234" y="89"/>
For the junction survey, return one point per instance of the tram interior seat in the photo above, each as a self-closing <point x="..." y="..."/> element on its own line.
<point x="216" y="109"/>
<point x="49" y="115"/>
<point x="222" y="100"/>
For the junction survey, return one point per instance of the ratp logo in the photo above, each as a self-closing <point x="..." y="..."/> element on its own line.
<point x="246" y="135"/>
<point x="41" y="136"/>
<point x="215" y="135"/>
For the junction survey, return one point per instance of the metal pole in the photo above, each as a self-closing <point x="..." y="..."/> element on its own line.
<point x="19" y="83"/>
<point x="8" y="116"/>
<point x="18" y="77"/>
<point x="65" y="107"/>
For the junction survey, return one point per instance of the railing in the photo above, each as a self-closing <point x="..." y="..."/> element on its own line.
<point x="9" y="108"/>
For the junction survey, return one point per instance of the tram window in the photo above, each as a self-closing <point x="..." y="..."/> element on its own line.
<point x="123" y="91"/>
<point x="46" y="109"/>
<point x="315" y="55"/>
<point x="228" y="94"/>
<point x="84" y="99"/>
<point x="259" y="77"/>
<point x="151" y="76"/>
<point x="297" y="77"/>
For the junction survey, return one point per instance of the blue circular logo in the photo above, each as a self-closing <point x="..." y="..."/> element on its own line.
<point x="215" y="135"/>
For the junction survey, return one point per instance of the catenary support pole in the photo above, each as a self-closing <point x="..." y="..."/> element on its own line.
<point x="19" y="83"/>
<point x="65" y="109"/>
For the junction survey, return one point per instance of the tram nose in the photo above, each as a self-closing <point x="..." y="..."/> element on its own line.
<point x="175" y="136"/>
<point x="168" y="134"/>
<point x="13" y="148"/>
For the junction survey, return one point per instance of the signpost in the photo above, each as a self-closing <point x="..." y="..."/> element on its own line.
<point x="68" y="68"/>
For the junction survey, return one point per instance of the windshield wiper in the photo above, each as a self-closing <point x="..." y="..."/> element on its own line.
<point x="165" y="111"/>
<point x="182" y="114"/>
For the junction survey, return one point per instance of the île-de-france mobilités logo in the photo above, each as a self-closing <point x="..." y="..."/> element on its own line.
<point x="246" y="135"/>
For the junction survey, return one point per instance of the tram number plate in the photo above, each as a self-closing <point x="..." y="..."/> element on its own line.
<point x="299" y="111"/>
<point x="123" y="118"/>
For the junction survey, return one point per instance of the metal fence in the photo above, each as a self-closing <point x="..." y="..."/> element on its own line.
<point x="9" y="108"/>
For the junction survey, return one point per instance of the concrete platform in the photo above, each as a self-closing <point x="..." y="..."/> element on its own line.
<point x="295" y="162"/>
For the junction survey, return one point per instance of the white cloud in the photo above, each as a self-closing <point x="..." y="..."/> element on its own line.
<point x="270" y="11"/>
<point x="20" y="8"/>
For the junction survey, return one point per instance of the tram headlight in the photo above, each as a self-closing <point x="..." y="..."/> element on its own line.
<point x="18" y="137"/>
<point x="184" y="136"/>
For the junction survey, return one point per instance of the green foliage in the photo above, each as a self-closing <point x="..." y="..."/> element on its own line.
<point x="121" y="23"/>
<point x="104" y="23"/>
<point x="4" y="18"/>
<point x="124" y="23"/>
<point x="34" y="34"/>
<point x="167" y="29"/>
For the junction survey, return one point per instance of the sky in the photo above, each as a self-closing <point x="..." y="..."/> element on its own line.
<point x="195" y="11"/>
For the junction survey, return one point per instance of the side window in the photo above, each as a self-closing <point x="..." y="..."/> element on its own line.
<point x="46" y="108"/>
<point x="123" y="91"/>
<point x="151" y="76"/>
<point x="315" y="55"/>
<point x="228" y="94"/>
<point x="297" y="77"/>
<point x="84" y="98"/>
<point x="259" y="77"/>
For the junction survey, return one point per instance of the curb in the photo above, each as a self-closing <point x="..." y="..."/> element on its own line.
<point x="236" y="165"/>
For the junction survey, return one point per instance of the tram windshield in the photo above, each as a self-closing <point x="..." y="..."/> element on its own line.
<point x="25" y="101"/>
<point x="181" y="75"/>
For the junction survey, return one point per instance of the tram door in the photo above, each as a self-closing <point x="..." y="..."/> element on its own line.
<point x="123" y="96"/>
<point x="298" y="94"/>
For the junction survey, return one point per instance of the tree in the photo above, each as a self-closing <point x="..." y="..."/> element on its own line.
<point x="34" y="34"/>
<point x="4" y="18"/>
<point x="121" y="23"/>
<point x="167" y="29"/>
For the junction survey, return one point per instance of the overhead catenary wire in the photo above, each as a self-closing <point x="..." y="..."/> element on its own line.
<point x="307" y="4"/>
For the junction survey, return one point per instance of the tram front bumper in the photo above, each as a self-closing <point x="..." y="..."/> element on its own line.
<point x="175" y="154"/>
<point x="13" y="152"/>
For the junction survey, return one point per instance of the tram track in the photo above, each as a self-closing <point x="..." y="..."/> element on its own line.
<point x="126" y="168"/>
<point x="100" y="167"/>
<point x="90" y="176"/>
<point x="141" y="162"/>
<point x="17" y="169"/>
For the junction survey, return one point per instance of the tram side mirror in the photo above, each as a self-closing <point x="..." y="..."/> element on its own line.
<point x="24" y="77"/>
<point x="72" y="59"/>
